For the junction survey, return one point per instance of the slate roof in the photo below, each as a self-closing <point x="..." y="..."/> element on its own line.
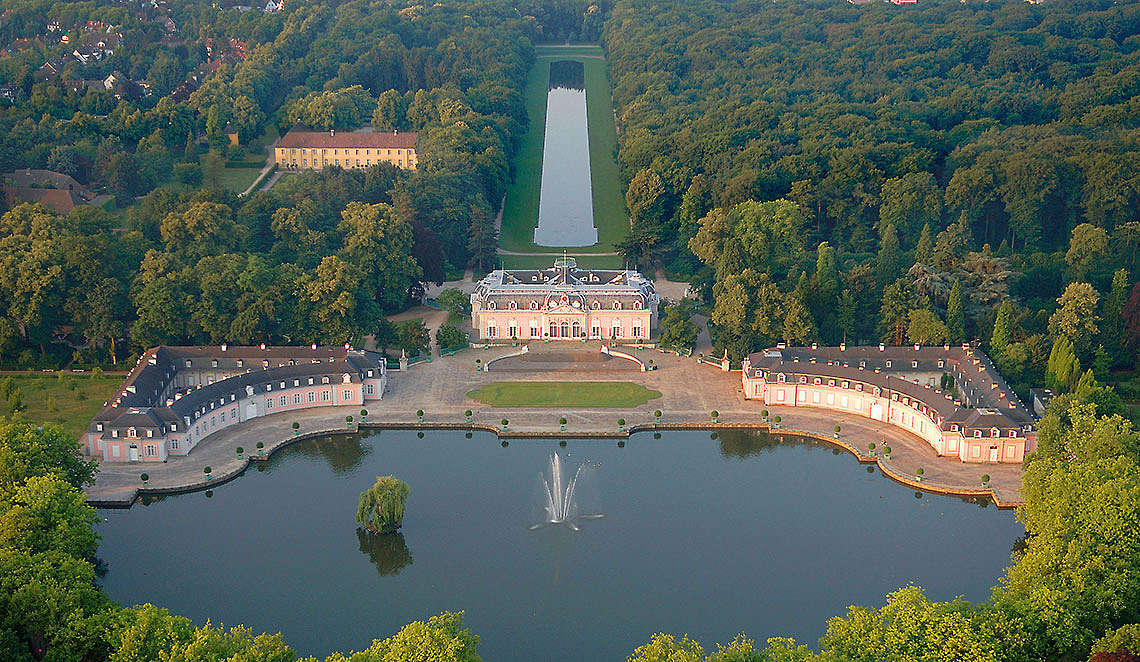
<point x="303" y="138"/>
<point x="989" y="401"/>
<point x="584" y="286"/>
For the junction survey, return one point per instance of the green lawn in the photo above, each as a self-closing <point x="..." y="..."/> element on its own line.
<point x="48" y="399"/>
<point x="520" y="213"/>
<point x="563" y="394"/>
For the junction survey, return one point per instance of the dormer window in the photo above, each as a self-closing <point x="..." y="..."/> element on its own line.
<point x="150" y="433"/>
<point x="490" y="305"/>
<point x="803" y="380"/>
<point x="188" y="363"/>
<point x="132" y="433"/>
<point x="914" y="364"/>
<point x="1013" y="433"/>
<point x="324" y="380"/>
<point x="831" y="382"/>
<point x="818" y="381"/>
<point x="977" y="433"/>
<point x="534" y="305"/>
<point x="941" y="363"/>
<point x="595" y="305"/>
<point x="995" y="432"/>
<point x="174" y="427"/>
<point x="311" y="380"/>
<point x="213" y="363"/>
<point x="99" y="427"/>
<point x="888" y="364"/>
<point x="637" y="305"/>
<point x="240" y="363"/>
<point x="781" y="378"/>
<point x="617" y="305"/>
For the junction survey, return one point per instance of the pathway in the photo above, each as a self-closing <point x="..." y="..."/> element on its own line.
<point x="690" y="391"/>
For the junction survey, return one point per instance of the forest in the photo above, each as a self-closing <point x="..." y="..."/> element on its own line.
<point x="947" y="173"/>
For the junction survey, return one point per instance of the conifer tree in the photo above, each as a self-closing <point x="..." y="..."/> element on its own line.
<point x="887" y="263"/>
<point x="1002" y="335"/>
<point x="1063" y="368"/>
<point x="190" y="151"/>
<point x="955" y="316"/>
<point x="924" y="251"/>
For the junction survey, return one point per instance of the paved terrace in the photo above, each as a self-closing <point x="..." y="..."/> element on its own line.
<point x="690" y="391"/>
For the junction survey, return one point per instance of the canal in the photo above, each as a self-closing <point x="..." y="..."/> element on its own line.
<point x="703" y="534"/>
<point x="566" y="202"/>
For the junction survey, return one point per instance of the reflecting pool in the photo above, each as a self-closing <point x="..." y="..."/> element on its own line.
<point x="565" y="202"/>
<point x="697" y="535"/>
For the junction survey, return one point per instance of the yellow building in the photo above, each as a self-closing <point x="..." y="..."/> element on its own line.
<point x="301" y="149"/>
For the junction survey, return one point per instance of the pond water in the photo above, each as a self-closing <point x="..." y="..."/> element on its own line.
<point x="565" y="202"/>
<point x="703" y="536"/>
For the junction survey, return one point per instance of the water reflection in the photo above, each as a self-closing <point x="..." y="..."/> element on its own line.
<point x="342" y="452"/>
<point x="745" y="443"/>
<point x="567" y="74"/>
<point x="387" y="551"/>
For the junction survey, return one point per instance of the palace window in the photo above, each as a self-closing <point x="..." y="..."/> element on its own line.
<point x="817" y="381"/>
<point x="858" y="387"/>
<point x="151" y="450"/>
<point x="370" y="389"/>
<point x="534" y="305"/>
<point x="617" y="305"/>
<point x="269" y="403"/>
<point x="490" y="305"/>
<point x="846" y="384"/>
<point x="296" y="398"/>
<point x="977" y="433"/>
<point x="284" y="401"/>
<point x="348" y="395"/>
<point x="595" y="331"/>
<point x="513" y="329"/>
<point x="492" y="331"/>
<point x="888" y="364"/>
<point x="637" y="332"/>
<point x="995" y="432"/>
<point x="131" y="434"/>
<point x="325" y="396"/>
<point x="637" y="305"/>
<point x="1013" y="433"/>
<point x="173" y="444"/>
<point x="595" y="305"/>
<point x="513" y="305"/>
<point x="831" y="382"/>
<point x="312" y="396"/>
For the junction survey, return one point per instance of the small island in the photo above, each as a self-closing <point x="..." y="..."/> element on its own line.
<point x="381" y="507"/>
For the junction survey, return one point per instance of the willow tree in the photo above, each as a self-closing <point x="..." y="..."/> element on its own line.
<point x="381" y="508"/>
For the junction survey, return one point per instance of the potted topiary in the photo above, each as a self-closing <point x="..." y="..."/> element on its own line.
<point x="420" y="415"/>
<point x="836" y="431"/>
<point x="657" y="416"/>
<point x="514" y="341"/>
<point x="505" y="422"/>
<point x="887" y="452"/>
<point x="562" y="443"/>
<point x="621" y="423"/>
<point x="478" y="365"/>
<point x="776" y="422"/>
<point x="467" y="414"/>
<point x="621" y="444"/>
<point x="348" y="421"/>
<point x="764" y="415"/>
<point x="239" y="450"/>
<point x="715" y="415"/>
<point x="918" y="474"/>
<point x="209" y="473"/>
<point x="651" y="366"/>
<point x="145" y="479"/>
<point x="985" y="480"/>
<point x="296" y="428"/>
<point x="261" y="448"/>
<point x="562" y="423"/>
<point x="871" y="448"/>
<point x="583" y="336"/>
<point x="363" y="415"/>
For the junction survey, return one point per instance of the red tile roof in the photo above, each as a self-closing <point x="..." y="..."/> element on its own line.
<point x="317" y="139"/>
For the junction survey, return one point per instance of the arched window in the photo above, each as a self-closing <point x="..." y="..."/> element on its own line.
<point x="490" y="305"/>
<point x="513" y="305"/>
<point x="617" y="305"/>
<point x="637" y="305"/>
<point x="534" y="305"/>
<point x="565" y="330"/>
<point x="595" y="305"/>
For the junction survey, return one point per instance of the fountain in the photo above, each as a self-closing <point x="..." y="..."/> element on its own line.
<point x="561" y="506"/>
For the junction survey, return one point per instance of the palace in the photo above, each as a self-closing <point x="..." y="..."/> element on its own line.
<point x="312" y="150"/>
<point x="177" y="396"/>
<point x="953" y="397"/>
<point x="564" y="303"/>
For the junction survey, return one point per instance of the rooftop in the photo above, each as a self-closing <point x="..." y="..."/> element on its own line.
<point x="305" y="138"/>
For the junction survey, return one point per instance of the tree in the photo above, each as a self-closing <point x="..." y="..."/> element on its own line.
<point x="337" y="302"/>
<point x="1088" y="251"/>
<point x="379" y="244"/>
<point x="204" y="228"/>
<point x="926" y="329"/>
<point x="951" y="245"/>
<point x="389" y="112"/>
<point x="441" y="639"/>
<point x="381" y="507"/>
<point x="28" y="450"/>
<point x="344" y="108"/>
<point x="924" y="249"/>
<point x="455" y="302"/>
<point x="150" y="633"/>
<point x="894" y="313"/>
<point x="667" y="648"/>
<point x="1076" y="317"/>
<point x="799" y="327"/>
<point x="1063" y="368"/>
<point x="955" y="316"/>
<point x="413" y="336"/>
<point x="1113" y="335"/>
<point x="887" y="263"/>
<point x="1003" y="330"/>
<point x="910" y="202"/>
<point x="1124" y="638"/>
<point x="45" y="514"/>
<point x="645" y="199"/>
<point x="676" y="329"/>
<point x="449" y="337"/>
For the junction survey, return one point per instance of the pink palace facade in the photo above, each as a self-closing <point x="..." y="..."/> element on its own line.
<point x="981" y="420"/>
<point x="564" y="303"/>
<point x="178" y="396"/>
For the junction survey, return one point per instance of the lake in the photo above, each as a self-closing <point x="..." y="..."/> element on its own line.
<point x="566" y="203"/>
<point x="699" y="535"/>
